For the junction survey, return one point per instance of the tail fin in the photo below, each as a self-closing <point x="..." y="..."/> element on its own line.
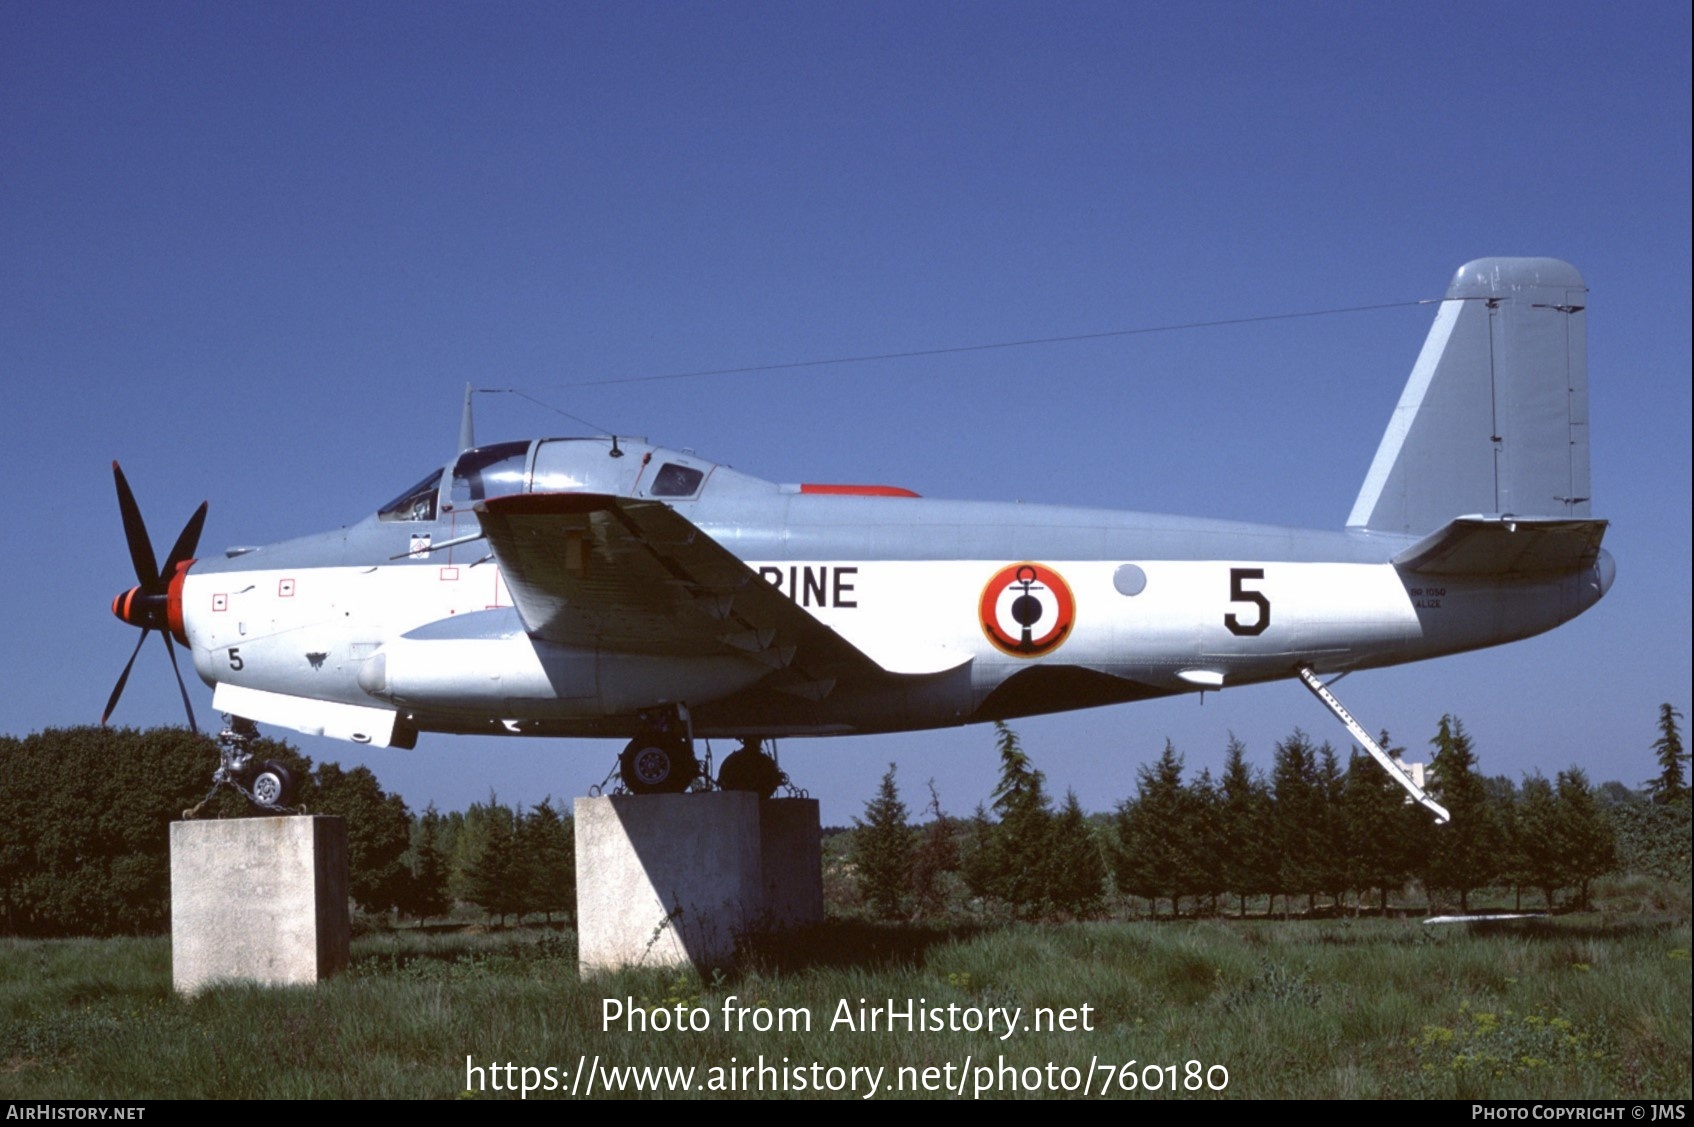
<point x="1494" y="419"/>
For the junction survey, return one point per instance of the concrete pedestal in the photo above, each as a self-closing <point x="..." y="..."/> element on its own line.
<point x="674" y="880"/>
<point x="261" y="900"/>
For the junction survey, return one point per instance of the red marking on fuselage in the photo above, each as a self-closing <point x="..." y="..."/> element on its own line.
<point x="857" y="490"/>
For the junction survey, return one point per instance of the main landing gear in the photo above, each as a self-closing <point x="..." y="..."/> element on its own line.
<point x="661" y="761"/>
<point x="749" y="768"/>
<point x="658" y="764"/>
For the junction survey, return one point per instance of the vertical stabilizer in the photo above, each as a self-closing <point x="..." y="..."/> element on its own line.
<point x="1494" y="419"/>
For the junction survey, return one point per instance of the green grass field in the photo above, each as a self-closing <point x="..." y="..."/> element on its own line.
<point x="1591" y="1005"/>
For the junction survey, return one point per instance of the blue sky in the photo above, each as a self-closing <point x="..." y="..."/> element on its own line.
<point x="255" y="252"/>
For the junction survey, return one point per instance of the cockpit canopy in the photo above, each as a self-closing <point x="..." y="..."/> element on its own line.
<point x="625" y="468"/>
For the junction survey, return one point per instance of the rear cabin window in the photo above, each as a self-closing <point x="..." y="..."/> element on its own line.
<point x="489" y="471"/>
<point x="676" y="481"/>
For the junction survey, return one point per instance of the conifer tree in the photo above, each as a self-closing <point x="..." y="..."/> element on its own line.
<point x="1505" y="804"/>
<point x="1078" y="863"/>
<point x="426" y="891"/>
<point x="935" y="856"/>
<point x="978" y="863"/>
<point x="1249" y="863"/>
<point x="493" y="880"/>
<point x="1374" y="812"/>
<point x="1023" y="838"/>
<point x="882" y="849"/>
<point x="1586" y="843"/>
<point x="1669" y="785"/>
<point x="546" y="861"/>
<point x="1203" y="838"/>
<point x="1297" y="806"/>
<point x="1332" y="871"/>
<point x="1153" y="857"/>
<point x="1536" y="852"/>
<point x="1466" y="854"/>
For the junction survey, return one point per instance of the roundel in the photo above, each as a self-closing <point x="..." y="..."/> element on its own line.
<point x="1027" y="609"/>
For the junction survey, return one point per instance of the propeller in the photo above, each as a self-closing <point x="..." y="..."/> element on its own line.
<point x="155" y="603"/>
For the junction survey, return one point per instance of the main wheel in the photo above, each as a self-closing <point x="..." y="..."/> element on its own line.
<point x="750" y="770"/>
<point x="273" y="785"/>
<point x="651" y="765"/>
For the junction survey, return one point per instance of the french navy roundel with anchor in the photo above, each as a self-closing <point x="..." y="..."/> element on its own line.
<point x="1027" y="609"/>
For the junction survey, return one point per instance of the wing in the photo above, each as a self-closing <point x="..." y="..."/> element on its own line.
<point x="593" y="569"/>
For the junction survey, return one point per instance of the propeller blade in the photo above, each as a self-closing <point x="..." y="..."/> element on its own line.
<point x="123" y="679"/>
<point x="186" y="542"/>
<point x="135" y="532"/>
<point x="170" y="649"/>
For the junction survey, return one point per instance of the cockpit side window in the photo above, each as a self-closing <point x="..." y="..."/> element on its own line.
<point x="673" y="480"/>
<point x="489" y="471"/>
<point x="417" y="503"/>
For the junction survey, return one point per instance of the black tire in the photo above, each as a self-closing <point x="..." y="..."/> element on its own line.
<point x="657" y="766"/>
<point x="750" y="770"/>
<point x="273" y="785"/>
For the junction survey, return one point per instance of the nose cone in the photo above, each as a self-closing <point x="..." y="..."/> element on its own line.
<point x="131" y="607"/>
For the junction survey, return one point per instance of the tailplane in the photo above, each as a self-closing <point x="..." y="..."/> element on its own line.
<point x="1494" y="419"/>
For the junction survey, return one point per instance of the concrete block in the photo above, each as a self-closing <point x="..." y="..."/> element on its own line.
<point x="791" y="851"/>
<point x="676" y="880"/>
<point x="665" y="879"/>
<point x="261" y="900"/>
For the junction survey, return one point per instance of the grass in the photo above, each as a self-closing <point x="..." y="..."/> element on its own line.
<point x="1581" y="1006"/>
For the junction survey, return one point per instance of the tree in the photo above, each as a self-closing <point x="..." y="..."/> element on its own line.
<point x="1023" y="838"/>
<point x="882" y="849"/>
<point x="1297" y="811"/>
<point x="1333" y="847"/>
<point x="978" y="860"/>
<point x="1203" y="838"/>
<point x="1079" y="865"/>
<point x="425" y="894"/>
<point x="935" y="856"/>
<point x="1584" y="842"/>
<point x="492" y="879"/>
<point x="1536" y="853"/>
<point x="1466" y="854"/>
<point x="379" y="830"/>
<point x="1155" y="855"/>
<point x="1669" y="786"/>
<point x="545" y="866"/>
<point x="1248" y="858"/>
<point x="1377" y="818"/>
<point x="85" y="818"/>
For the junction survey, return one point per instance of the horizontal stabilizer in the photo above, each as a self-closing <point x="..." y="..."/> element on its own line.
<point x="1505" y="546"/>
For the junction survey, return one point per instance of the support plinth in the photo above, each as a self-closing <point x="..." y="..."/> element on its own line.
<point x="677" y="880"/>
<point x="260" y="900"/>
